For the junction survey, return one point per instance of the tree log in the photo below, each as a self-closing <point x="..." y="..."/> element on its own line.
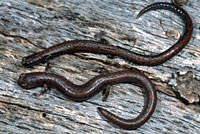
<point x="28" y="26"/>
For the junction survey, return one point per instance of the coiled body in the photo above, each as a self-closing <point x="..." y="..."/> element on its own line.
<point x="95" y="47"/>
<point x="94" y="86"/>
<point x="98" y="83"/>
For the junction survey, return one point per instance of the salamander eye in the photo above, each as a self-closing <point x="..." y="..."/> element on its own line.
<point x="22" y="76"/>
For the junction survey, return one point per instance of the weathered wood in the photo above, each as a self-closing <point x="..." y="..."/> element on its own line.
<point x="28" y="26"/>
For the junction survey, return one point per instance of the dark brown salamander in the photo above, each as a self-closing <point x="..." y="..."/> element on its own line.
<point x="94" y="86"/>
<point x="97" y="84"/>
<point x="95" y="47"/>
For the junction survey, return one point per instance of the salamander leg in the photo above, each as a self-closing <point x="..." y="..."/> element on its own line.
<point x="106" y="93"/>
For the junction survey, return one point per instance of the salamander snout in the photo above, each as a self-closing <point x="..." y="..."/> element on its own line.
<point x="21" y="81"/>
<point x="25" y="62"/>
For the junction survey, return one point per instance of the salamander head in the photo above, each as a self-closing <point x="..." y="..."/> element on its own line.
<point x="27" y="81"/>
<point x="31" y="60"/>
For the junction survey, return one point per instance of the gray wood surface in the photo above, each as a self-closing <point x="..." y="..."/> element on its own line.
<point x="28" y="26"/>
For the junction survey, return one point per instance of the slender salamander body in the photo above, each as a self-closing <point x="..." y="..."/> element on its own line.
<point x="95" y="47"/>
<point x="98" y="83"/>
<point x="94" y="86"/>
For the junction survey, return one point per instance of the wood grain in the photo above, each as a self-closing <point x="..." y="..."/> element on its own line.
<point x="28" y="26"/>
